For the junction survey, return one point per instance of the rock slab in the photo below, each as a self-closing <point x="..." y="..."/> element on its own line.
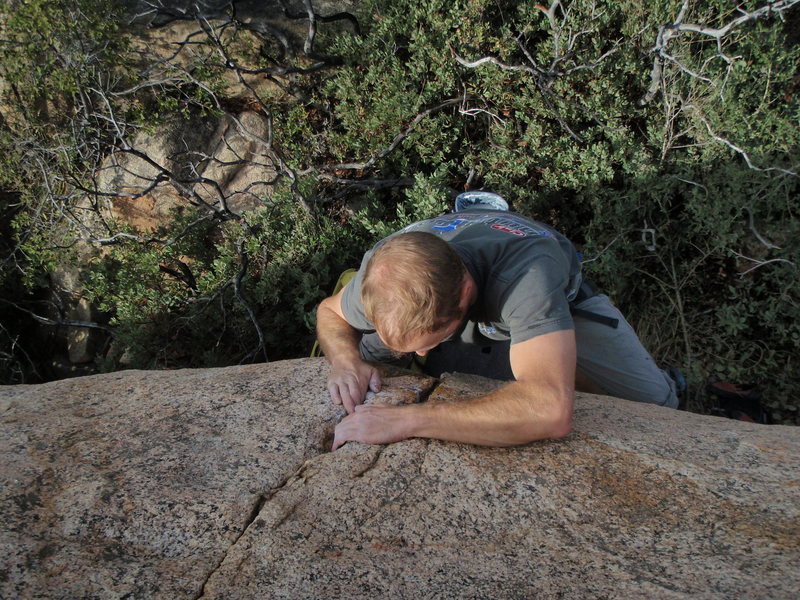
<point x="219" y="484"/>
<point x="136" y="484"/>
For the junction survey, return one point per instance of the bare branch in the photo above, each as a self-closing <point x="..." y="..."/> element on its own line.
<point x="12" y="356"/>
<point x="308" y="46"/>
<point x="64" y="322"/>
<point x="734" y="147"/>
<point x="183" y="274"/>
<point x="312" y="16"/>
<point x="121" y="236"/>
<point x="668" y="32"/>
<point x="752" y="227"/>
<point x="544" y="78"/>
<point x="648" y="238"/>
<point x="398" y="139"/>
<point x="760" y="263"/>
<point x="470" y="177"/>
<point x="472" y="64"/>
<point x="771" y="8"/>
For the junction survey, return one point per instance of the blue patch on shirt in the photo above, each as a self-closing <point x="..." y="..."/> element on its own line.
<point x="449" y="227"/>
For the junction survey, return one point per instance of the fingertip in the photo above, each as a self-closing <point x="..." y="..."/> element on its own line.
<point x="334" y="394"/>
<point x="375" y="383"/>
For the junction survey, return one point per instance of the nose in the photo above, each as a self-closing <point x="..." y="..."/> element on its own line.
<point x="422" y="352"/>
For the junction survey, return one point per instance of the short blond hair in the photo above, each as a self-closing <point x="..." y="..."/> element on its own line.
<point x="412" y="286"/>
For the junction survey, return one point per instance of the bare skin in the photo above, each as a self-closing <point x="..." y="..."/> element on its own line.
<point x="351" y="377"/>
<point x="537" y="405"/>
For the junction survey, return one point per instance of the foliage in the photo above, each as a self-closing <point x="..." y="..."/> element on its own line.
<point x="708" y="165"/>
<point x="165" y="319"/>
<point x="661" y="141"/>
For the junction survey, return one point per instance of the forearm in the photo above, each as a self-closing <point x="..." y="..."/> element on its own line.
<point x="339" y="341"/>
<point x="538" y="405"/>
<point x="516" y="414"/>
<point x="350" y="375"/>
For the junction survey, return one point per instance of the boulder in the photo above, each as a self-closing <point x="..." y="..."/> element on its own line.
<point x="67" y="300"/>
<point x="142" y="195"/>
<point x="240" y="164"/>
<point x="226" y="160"/>
<point x="219" y="483"/>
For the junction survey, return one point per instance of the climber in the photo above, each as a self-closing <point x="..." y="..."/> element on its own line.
<point x="480" y="273"/>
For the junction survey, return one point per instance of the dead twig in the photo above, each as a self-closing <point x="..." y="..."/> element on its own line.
<point x="63" y="322"/>
<point x="758" y="263"/>
<point x="398" y="139"/>
<point x="667" y="33"/>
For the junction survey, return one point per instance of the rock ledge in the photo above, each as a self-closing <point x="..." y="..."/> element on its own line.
<point x="218" y="483"/>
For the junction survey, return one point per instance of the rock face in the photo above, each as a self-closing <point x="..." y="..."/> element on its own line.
<point x="219" y="484"/>
<point x="228" y="157"/>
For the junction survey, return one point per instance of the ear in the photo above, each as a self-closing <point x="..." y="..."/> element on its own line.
<point x="469" y="293"/>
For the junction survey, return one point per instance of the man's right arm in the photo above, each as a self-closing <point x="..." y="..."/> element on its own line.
<point x="351" y="377"/>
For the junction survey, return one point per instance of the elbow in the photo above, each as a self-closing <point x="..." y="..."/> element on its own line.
<point x="554" y="423"/>
<point x="561" y="417"/>
<point x="561" y="425"/>
<point x="324" y="305"/>
<point x="325" y="309"/>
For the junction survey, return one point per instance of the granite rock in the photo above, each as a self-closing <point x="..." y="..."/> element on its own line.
<point x="136" y="484"/>
<point x="219" y="484"/>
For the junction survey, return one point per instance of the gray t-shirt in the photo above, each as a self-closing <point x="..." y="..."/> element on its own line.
<point x="525" y="273"/>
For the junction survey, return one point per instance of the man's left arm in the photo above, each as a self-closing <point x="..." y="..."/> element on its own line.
<point x="538" y="405"/>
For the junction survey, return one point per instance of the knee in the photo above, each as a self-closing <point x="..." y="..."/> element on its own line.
<point x="661" y="392"/>
<point x="670" y="401"/>
<point x="668" y="392"/>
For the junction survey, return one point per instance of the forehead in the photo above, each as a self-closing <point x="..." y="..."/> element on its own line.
<point x="424" y="342"/>
<point x="427" y="341"/>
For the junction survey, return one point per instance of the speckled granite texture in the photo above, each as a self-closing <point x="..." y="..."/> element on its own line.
<point x="219" y="484"/>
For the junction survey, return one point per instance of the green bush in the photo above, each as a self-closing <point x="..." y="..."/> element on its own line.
<point x="576" y="146"/>
<point x="187" y="303"/>
<point x="675" y="170"/>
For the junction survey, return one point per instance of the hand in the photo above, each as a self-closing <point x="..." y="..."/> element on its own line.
<point x="373" y="424"/>
<point x="348" y="385"/>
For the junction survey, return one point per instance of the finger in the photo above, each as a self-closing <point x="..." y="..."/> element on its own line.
<point x="375" y="382"/>
<point x="333" y="390"/>
<point x="355" y="395"/>
<point x="348" y="399"/>
<point x="337" y="441"/>
<point x="340" y="435"/>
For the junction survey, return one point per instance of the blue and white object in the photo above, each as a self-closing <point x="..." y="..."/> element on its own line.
<point x="480" y="200"/>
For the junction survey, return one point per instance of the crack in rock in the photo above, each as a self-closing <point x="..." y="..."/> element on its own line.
<point x="258" y="506"/>
<point x="305" y="471"/>
<point x="254" y="512"/>
<point x="371" y="464"/>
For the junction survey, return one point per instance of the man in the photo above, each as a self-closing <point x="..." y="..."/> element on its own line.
<point x="480" y="273"/>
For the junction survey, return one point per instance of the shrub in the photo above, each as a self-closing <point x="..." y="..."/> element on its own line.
<point x="661" y="138"/>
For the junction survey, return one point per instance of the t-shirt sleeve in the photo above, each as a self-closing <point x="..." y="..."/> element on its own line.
<point x="352" y="308"/>
<point x="537" y="303"/>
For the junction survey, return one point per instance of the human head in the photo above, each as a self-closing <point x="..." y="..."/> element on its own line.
<point x="413" y="286"/>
